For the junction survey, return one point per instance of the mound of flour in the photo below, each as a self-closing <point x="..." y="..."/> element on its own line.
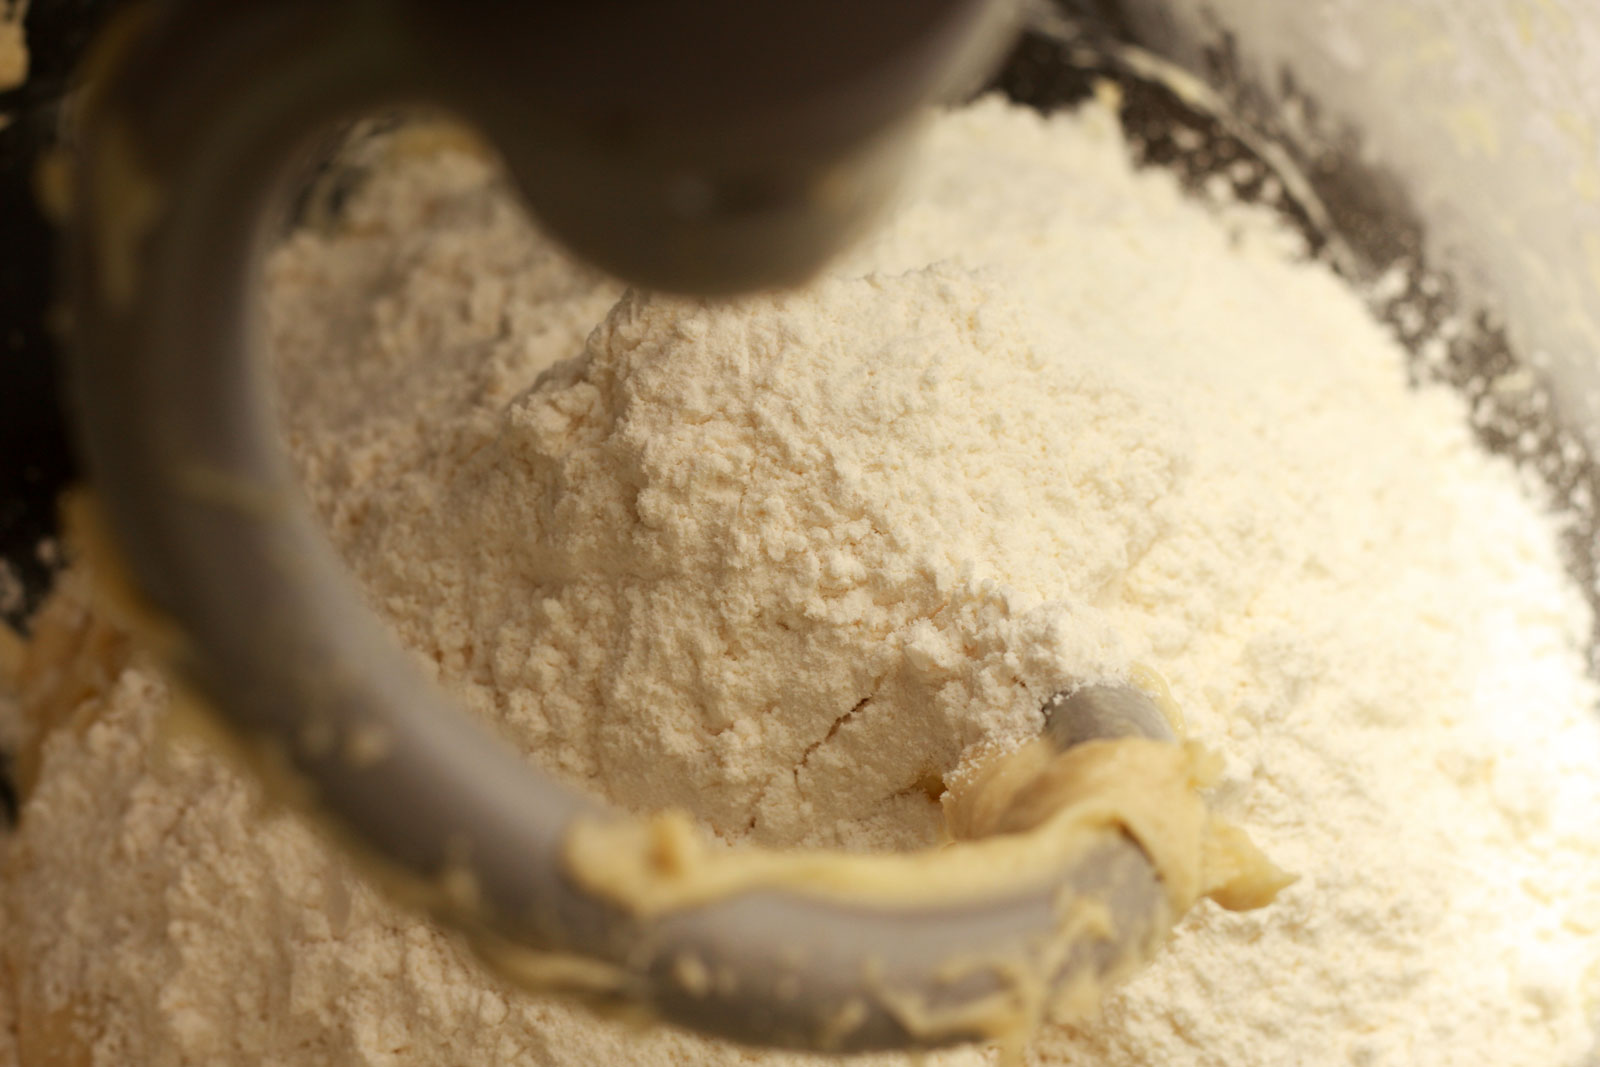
<point x="788" y="561"/>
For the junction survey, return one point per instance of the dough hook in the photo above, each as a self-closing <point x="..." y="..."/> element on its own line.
<point x="703" y="147"/>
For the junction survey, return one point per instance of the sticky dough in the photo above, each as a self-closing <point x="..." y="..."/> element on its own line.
<point x="1018" y="819"/>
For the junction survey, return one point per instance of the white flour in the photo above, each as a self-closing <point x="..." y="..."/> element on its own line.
<point x="782" y="563"/>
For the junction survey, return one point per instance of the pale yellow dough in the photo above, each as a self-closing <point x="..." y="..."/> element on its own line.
<point x="1018" y="819"/>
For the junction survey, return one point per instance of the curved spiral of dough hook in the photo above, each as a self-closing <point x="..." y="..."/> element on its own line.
<point x="197" y="116"/>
